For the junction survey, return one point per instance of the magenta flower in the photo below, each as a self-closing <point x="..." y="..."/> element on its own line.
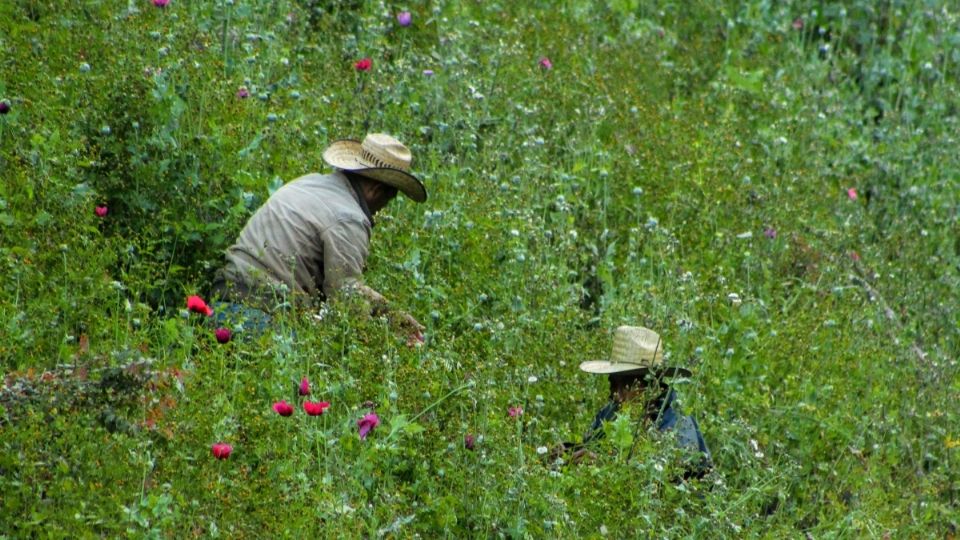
<point x="304" y="387"/>
<point x="315" y="408"/>
<point x="367" y="423"/>
<point x="243" y="93"/>
<point x="468" y="441"/>
<point x="4" y="107"/>
<point x="223" y="335"/>
<point x="197" y="305"/>
<point x="770" y="233"/>
<point x="221" y="450"/>
<point x="545" y="63"/>
<point x="852" y="194"/>
<point x="283" y="408"/>
<point x="364" y="64"/>
<point x="100" y="211"/>
<point x="515" y="412"/>
<point x="404" y="18"/>
<point x="161" y="3"/>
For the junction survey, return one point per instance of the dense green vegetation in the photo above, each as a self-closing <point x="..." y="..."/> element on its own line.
<point x="772" y="186"/>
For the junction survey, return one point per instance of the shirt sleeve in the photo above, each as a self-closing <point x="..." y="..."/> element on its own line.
<point x="345" y="248"/>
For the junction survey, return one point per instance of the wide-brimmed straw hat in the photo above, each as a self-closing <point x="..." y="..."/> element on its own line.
<point x="380" y="157"/>
<point x="635" y="348"/>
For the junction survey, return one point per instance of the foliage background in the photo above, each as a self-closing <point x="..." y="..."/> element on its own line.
<point x="676" y="153"/>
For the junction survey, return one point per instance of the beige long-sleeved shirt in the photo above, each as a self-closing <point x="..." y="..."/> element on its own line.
<point x="312" y="234"/>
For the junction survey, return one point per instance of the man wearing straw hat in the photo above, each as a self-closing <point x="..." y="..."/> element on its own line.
<point x="310" y="240"/>
<point x="637" y="374"/>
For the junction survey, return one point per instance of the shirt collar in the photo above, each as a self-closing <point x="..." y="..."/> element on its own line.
<point x="361" y="200"/>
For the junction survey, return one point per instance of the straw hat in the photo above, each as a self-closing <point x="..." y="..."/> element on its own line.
<point x="380" y="157"/>
<point x="634" y="348"/>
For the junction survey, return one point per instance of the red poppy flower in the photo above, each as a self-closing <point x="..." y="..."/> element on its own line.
<point x="283" y="408"/>
<point x="364" y="64"/>
<point x="222" y="334"/>
<point x="304" y="388"/>
<point x="100" y="211"/>
<point x="315" y="408"/>
<point x="221" y="450"/>
<point x="197" y="305"/>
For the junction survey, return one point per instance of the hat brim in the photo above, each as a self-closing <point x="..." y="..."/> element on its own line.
<point x="345" y="155"/>
<point x="605" y="367"/>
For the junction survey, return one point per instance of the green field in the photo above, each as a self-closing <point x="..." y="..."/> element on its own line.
<point x="774" y="186"/>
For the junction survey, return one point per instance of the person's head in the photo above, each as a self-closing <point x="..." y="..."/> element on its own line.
<point x="642" y="384"/>
<point x="377" y="194"/>
<point x="380" y="158"/>
<point x="635" y="365"/>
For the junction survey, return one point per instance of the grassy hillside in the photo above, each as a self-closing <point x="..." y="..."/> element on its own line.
<point x="772" y="186"/>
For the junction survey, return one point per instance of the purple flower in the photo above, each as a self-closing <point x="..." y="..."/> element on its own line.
<point x="770" y="233"/>
<point x="545" y="63"/>
<point x="161" y="3"/>
<point x="243" y="93"/>
<point x="428" y="72"/>
<point x="468" y="441"/>
<point x="367" y="423"/>
<point x="4" y="107"/>
<point x="515" y="412"/>
<point x="404" y="18"/>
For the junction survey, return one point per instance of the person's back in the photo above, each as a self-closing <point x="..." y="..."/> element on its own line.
<point x="311" y="235"/>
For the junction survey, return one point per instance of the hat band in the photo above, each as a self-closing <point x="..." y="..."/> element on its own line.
<point x="365" y="155"/>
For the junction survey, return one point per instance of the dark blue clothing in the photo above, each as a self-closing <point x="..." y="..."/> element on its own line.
<point x="241" y="318"/>
<point x="670" y="418"/>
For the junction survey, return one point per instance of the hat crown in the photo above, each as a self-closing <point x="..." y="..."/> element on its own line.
<point x="382" y="150"/>
<point x="636" y="345"/>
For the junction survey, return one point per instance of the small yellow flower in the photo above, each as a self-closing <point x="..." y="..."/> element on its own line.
<point x="951" y="442"/>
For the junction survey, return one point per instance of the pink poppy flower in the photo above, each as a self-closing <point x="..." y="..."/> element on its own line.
<point x="221" y="450"/>
<point x="852" y="194"/>
<point x="304" y="387"/>
<point x="545" y="63"/>
<point x="197" y="305"/>
<point x="315" y="408"/>
<point x="515" y="412"/>
<point x="101" y="211"/>
<point x="404" y="18"/>
<point x="223" y="335"/>
<point x="367" y="423"/>
<point x="161" y="3"/>
<point x="364" y="64"/>
<point x="468" y="441"/>
<point x="283" y="408"/>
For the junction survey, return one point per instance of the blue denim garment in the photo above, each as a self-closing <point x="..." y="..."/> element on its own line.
<point x="246" y="320"/>
<point x="687" y="431"/>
